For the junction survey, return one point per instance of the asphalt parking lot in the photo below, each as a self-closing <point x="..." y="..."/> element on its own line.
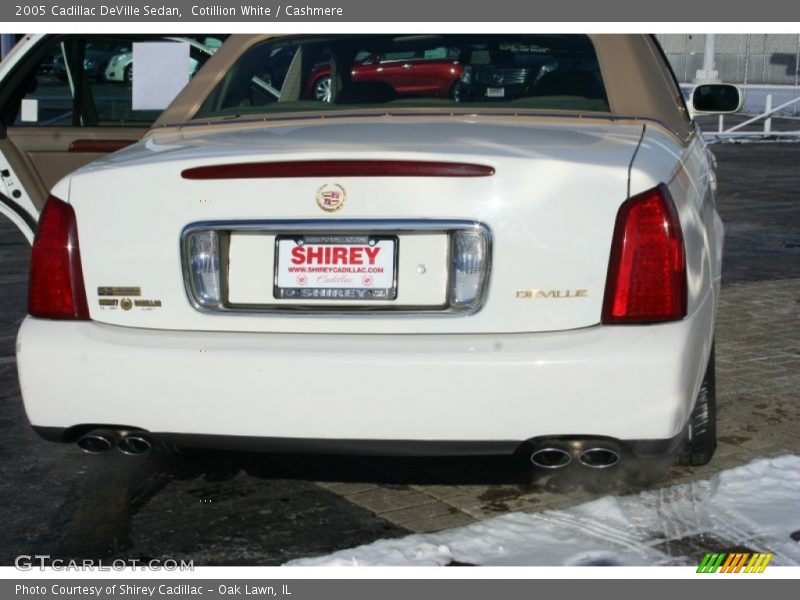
<point x="232" y="508"/>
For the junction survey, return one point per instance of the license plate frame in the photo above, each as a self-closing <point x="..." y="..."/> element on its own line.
<point x="347" y="282"/>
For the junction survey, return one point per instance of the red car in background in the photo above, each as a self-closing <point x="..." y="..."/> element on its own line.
<point x="431" y="73"/>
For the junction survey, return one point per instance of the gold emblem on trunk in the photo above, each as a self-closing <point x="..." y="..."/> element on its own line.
<point x="331" y="197"/>
<point x="552" y="294"/>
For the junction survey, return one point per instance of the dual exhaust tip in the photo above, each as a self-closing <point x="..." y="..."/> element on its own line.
<point x="557" y="457"/>
<point x="100" y="440"/>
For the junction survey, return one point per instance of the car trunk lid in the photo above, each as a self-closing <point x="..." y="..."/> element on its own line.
<point x="540" y="218"/>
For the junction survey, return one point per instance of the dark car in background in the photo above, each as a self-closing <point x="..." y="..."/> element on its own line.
<point x="512" y="70"/>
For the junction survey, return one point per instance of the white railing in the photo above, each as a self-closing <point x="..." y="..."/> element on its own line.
<point x="738" y="132"/>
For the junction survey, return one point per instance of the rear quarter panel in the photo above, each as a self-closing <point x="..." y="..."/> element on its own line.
<point x="689" y="175"/>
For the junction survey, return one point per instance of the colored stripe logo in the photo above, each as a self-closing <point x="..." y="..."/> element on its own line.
<point x="734" y="562"/>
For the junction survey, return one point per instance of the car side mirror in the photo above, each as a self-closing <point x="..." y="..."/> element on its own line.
<point x="716" y="99"/>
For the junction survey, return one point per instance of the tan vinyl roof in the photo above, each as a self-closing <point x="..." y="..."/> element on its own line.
<point x="638" y="83"/>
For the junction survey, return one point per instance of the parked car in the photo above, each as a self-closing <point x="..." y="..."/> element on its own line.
<point x="419" y="72"/>
<point x="63" y="130"/>
<point x="424" y="72"/>
<point x="513" y="274"/>
<point x="507" y="71"/>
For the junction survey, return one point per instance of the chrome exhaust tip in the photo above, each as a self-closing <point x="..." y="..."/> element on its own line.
<point x="134" y="444"/>
<point x="98" y="440"/>
<point x="599" y="458"/>
<point x="551" y="457"/>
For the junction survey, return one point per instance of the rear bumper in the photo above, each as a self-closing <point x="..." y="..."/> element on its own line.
<point x="365" y="447"/>
<point x="495" y="391"/>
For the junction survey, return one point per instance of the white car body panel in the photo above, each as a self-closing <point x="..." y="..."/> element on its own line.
<point x="530" y="204"/>
<point x="634" y="381"/>
<point x="115" y="71"/>
<point x="24" y="213"/>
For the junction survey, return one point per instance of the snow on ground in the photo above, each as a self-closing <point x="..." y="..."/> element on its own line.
<point x="755" y="508"/>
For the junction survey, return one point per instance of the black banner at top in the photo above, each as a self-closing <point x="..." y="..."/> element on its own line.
<point x="333" y="11"/>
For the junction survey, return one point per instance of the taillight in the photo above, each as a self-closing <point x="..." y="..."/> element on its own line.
<point x="647" y="272"/>
<point x="55" y="285"/>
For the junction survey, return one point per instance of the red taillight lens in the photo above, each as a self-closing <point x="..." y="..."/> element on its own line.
<point x="647" y="272"/>
<point x="55" y="285"/>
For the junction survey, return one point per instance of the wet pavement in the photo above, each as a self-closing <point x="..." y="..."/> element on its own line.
<point x="238" y="508"/>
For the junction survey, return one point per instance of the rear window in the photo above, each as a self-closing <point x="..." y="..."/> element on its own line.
<point x="326" y="73"/>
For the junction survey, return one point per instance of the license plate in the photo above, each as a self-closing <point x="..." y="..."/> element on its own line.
<point x="495" y="92"/>
<point x="336" y="267"/>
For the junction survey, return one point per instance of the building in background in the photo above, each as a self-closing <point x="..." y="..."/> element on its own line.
<point x="761" y="59"/>
<point x="764" y="64"/>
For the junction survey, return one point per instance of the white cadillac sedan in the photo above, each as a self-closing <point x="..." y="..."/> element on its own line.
<point x="475" y="244"/>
